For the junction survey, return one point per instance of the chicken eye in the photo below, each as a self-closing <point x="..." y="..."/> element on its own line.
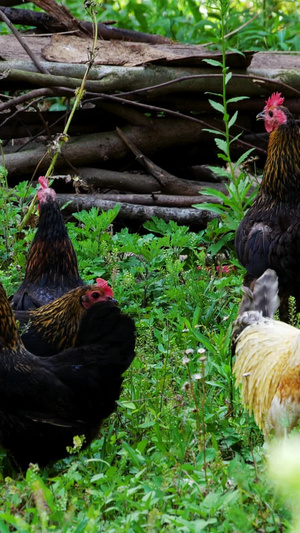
<point x="271" y="114"/>
<point x="95" y="295"/>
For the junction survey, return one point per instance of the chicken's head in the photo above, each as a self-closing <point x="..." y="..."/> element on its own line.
<point x="273" y="113"/>
<point x="45" y="192"/>
<point x="100" y="292"/>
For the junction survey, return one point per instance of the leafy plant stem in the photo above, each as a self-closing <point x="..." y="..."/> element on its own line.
<point x="203" y="395"/>
<point x="165" y="370"/>
<point x="63" y="137"/>
<point x="192" y="388"/>
<point x="200" y="426"/>
<point x="224" y="13"/>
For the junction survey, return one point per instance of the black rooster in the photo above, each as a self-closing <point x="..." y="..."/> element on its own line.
<point x="269" y="234"/>
<point x="51" y="268"/>
<point x="45" y="402"/>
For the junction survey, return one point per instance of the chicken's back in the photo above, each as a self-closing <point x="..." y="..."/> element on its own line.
<point x="269" y="237"/>
<point x="53" y="327"/>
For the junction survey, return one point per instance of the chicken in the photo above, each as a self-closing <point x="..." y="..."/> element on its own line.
<point x="267" y="359"/>
<point x="51" y="268"/>
<point x="45" y="402"/>
<point x="53" y="327"/>
<point x="269" y="234"/>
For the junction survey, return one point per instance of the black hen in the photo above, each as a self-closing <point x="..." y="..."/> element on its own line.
<point x="53" y="327"/>
<point x="45" y="402"/>
<point x="269" y="234"/>
<point x="51" y="268"/>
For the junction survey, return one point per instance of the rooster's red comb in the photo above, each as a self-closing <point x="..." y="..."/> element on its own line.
<point x="44" y="182"/>
<point x="103" y="284"/>
<point x="274" y="100"/>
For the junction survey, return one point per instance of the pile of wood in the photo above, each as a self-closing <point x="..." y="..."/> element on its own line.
<point x="140" y="136"/>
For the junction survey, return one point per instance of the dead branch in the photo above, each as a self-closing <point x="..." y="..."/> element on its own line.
<point x="167" y="181"/>
<point x="62" y="13"/>
<point x="36" y="93"/>
<point x="48" y="23"/>
<point x="26" y="17"/>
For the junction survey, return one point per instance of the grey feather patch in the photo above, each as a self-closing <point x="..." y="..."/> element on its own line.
<point x="263" y="301"/>
<point x="264" y="297"/>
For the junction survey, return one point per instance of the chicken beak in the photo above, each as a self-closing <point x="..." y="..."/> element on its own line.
<point x="260" y="116"/>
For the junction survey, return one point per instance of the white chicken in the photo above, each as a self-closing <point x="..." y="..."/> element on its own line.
<point x="267" y="359"/>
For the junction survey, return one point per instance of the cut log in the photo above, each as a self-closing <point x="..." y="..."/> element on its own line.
<point x="137" y="212"/>
<point x="134" y="182"/>
<point x="159" y="199"/>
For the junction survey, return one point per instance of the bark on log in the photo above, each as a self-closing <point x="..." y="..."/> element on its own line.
<point x="103" y="147"/>
<point x="159" y="199"/>
<point x="137" y="212"/>
<point x="154" y="80"/>
<point x="123" y="181"/>
<point x="133" y="182"/>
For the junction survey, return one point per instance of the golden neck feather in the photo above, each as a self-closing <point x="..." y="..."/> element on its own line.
<point x="281" y="179"/>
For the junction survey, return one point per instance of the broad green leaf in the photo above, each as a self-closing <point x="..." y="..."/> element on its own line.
<point x="236" y="99"/>
<point x="243" y="157"/>
<point x="235" y="138"/>
<point x="222" y="145"/>
<point x="220" y="95"/>
<point x="215" y="132"/>
<point x="210" y="191"/>
<point x="127" y="405"/>
<point x="213" y="62"/>
<point x="233" y="119"/>
<point x="228" y="77"/>
<point x="219" y="171"/>
<point x="205" y="341"/>
<point x="217" y="106"/>
<point x="224" y="157"/>
<point x="236" y="51"/>
<point x="210" y="207"/>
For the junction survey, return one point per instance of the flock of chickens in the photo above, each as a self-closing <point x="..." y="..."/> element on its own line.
<point x="61" y="376"/>
<point x="82" y="345"/>
<point x="268" y="246"/>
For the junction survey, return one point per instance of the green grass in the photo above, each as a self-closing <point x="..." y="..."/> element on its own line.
<point x="171" y="458"/>
<point x="180" y="454"/>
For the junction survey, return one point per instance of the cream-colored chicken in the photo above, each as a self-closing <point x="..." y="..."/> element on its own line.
<point x="267" y="359"/>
